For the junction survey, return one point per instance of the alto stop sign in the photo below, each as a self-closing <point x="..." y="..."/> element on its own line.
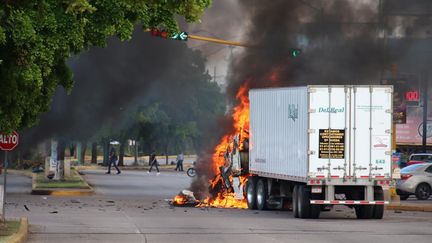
<point x="8" y="141"/>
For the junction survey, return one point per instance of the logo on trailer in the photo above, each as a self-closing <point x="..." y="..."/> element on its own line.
<point x="331" y="109"/>
<point x="293" y="111"/>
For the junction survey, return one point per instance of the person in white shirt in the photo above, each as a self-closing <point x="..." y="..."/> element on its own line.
<point x="180" y="158"/>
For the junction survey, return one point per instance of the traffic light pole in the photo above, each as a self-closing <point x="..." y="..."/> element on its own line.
<point x="425" y="113"/>
<point x="215" y="40"/>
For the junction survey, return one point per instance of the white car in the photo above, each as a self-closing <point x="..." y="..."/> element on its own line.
<point x="415" y="180"/>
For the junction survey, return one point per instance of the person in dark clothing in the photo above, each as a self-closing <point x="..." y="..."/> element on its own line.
<point x="153" y="162"/>
<point x="113" y="161"/>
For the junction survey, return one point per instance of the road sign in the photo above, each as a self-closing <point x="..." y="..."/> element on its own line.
<point x="8" y="141"/>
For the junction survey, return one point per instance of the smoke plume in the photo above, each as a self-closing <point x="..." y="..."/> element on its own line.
<point x="109" y="80"/>
<point x="342" y="42"/>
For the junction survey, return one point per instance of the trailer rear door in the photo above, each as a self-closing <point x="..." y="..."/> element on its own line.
<point x="350" y="131"/>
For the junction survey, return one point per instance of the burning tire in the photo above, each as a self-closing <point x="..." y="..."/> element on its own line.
<point x="251" y="192"/>
<point x="261" y="194"/>
<point x="303" y="202"/>
<point x="378" y="211"/>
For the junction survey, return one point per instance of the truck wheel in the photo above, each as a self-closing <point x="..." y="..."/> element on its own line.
<point x="378" y="211"/>
<point x="423" y="191"/>
<point x="262" y="197"/>
<point x="303" y="202"/>
<point x="251" y="192"/>
<point x="295" y="201"/>
<point x="315" y="210"/>
<point x="364" y="211"/>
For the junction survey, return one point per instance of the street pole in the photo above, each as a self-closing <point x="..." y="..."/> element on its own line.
<point x="4" y="187"/>
<point x="425" y="113"/>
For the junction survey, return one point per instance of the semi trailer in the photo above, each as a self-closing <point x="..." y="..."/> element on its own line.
<point x="319" y="146"/>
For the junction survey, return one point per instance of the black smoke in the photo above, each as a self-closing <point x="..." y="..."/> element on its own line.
<point x="342" y="42"/>
<point x="108" y="81"/>
<point x="338" y="39"/>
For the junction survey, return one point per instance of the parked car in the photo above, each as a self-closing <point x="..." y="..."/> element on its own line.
<point x="415" y="180"/>
<point x="419" y="158"/>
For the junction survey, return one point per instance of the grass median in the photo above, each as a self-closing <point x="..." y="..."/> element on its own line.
<point x="75" y="181"/>
<point x="8" y="229"/>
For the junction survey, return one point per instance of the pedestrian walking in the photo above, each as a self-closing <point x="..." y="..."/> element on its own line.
<point x="180" y="158"/>
<point x="153" y="162"/>
<point x="113" y="161"/>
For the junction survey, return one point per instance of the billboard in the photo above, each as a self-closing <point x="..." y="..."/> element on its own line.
<point x="411" y="132"/>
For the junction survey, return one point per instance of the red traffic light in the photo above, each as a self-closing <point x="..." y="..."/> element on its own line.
<point x="155" y="32"/>
<point x="164" y="34"/>
<point x="160" y="33"/>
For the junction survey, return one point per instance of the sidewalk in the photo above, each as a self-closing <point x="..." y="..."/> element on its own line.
<point x="412" y="204"/>
<point x="131" y="167"/>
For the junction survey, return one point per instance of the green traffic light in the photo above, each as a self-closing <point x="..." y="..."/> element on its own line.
<point x="295" y="52"/>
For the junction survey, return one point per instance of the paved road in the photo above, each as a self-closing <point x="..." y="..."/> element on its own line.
<point x="130" y="208"/>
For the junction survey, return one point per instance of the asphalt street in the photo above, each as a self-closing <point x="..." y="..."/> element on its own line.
<point x="130" y="207"/>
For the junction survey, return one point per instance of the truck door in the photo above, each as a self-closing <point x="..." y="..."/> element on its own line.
<point x="371" y="122"/>
<point x="329" y="131"/>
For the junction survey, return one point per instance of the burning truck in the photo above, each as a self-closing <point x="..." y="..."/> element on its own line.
<point x="311" y="146"/>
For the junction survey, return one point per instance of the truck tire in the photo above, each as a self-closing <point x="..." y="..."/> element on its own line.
<point x="262" y="194"/>
<point x="364" y="211"/>
<point x="303" y="202"/>
<point x="315" y="210"/>
<point x="251" y="192"/>
<point x="378" y="211"/>
<point x="295" y="201"/>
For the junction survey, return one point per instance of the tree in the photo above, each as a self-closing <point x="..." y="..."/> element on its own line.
<point x="37" y="37"/>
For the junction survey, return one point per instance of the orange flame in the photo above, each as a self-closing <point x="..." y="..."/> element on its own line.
<point x="179" y="200"/>
<point x="240" y="117"/>
<point x="240" y="126"/>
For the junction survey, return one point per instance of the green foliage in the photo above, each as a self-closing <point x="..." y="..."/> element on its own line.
<point x="37" y="37"/>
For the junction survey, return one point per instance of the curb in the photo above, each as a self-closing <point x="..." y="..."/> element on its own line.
<point x="22" y="235"/>
<point x="61" y="192"/>
<point x="404" y="207"/>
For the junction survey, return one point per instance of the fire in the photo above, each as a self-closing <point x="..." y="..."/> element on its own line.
<point x="179" y="200"/>
<point x="223" y="196"/>
<point x="240" y="126"/>
<point x="226" y="198"/>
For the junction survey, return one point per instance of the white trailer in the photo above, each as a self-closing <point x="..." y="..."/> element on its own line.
<point x="320" y="146"/>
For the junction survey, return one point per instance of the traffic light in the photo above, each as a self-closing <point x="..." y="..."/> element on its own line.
<point x="180" y="36"/>
<point x="295" y="52"/>
<point x="160" y="33"/>
<point x="164" y="34"/>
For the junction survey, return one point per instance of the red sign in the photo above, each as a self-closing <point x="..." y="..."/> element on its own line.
<point x="413" y="95"/>
<point x="8" y="141"/>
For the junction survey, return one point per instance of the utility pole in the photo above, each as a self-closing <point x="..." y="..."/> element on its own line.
<point x="425" y="113"/>
<point x="214" y="74"/>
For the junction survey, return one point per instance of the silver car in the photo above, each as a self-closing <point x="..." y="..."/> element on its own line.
<point x="415" y="179"/>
